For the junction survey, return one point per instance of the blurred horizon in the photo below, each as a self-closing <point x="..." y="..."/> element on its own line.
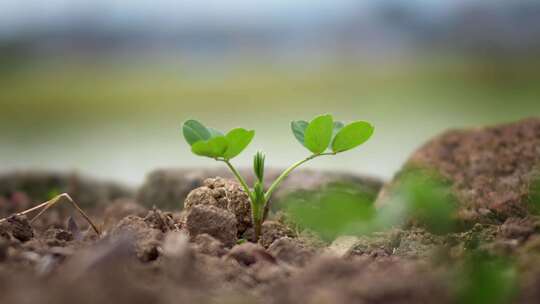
<point x="103" y="87"/>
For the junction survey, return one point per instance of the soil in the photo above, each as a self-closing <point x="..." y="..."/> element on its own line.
<point x="203" y="254"/>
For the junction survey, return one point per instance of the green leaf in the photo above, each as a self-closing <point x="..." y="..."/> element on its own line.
<point x="212" y="148"/>
<point x="238" y="139"/>
<point x="319" y="134"/>
<point x="299" y="128"/>
<point x="195" y="131"/>
<point x="352" y="136"/>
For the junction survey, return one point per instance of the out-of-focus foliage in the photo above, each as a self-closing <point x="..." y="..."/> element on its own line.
<point x="534" y="194"/>
<point x="486" y="280"/>
<point x="339" y="209"/>
<point x="428" y="199"/>
<point x="420" y="197"/>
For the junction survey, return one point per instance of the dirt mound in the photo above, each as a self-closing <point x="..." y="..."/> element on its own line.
<point x="492" y="169"/>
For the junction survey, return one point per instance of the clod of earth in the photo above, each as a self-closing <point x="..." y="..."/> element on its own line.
<point x="224" y="194"/>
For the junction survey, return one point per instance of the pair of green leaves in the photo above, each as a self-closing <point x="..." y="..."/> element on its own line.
<point x="212" y="143"/>
<point x="323" y="132"/>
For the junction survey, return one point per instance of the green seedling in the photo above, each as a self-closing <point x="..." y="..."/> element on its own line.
<point x="322" y="137"/>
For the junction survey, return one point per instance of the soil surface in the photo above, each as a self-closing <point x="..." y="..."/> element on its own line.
<point x="202" y="253"/>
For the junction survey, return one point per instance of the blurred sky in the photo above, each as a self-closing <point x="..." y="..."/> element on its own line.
<point x="103" y="86"/>
<point x="21" y="15"/>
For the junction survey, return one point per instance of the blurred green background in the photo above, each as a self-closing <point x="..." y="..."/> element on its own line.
<point x="103" y="88"/>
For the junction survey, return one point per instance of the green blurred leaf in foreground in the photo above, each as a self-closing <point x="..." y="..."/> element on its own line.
<point x="422" y="197"/>
<point x="487" y="280"/>
<point x="339" y="209"/>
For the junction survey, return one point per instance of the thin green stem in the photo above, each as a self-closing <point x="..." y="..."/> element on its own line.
<point x="286" y="173"/>
<point x="239" y="178"/>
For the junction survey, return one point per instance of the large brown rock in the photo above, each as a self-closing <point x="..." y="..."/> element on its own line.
<point x="491" y="169"/>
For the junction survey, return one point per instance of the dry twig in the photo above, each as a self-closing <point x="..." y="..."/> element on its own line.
<point x="50" y="203"/>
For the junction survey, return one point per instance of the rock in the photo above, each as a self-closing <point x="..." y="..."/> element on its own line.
<point x="168" y="188"/>
<point x="39" y="185"/>
<point x="206" y="244"/>
<point x="219" y="223"/>
<point x="491" y="169"/>
<point x="224" y="194"/>
<point x="291" y="251"/>
<point x="248" y="254"/>
<point x="17" y="227"/>
<point x="147" y="239"/>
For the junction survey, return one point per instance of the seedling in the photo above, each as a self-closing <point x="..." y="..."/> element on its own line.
<point x="322" y="137"/>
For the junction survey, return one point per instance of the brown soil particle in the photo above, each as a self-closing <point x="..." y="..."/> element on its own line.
<point x="219" y="223"/>
<point x="17" y="227"/>
<point x="491" y="168"/>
